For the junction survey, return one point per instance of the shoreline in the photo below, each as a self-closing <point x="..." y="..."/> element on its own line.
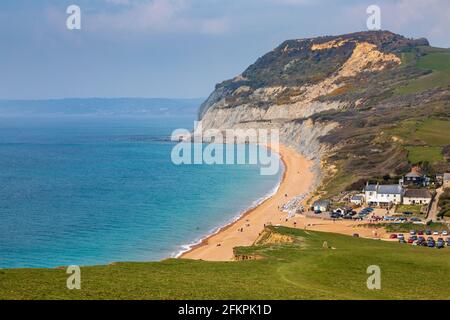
<point x="240" y="215"/>
<point x="219" y="245"/>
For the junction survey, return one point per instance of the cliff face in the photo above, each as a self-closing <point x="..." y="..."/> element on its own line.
<point x="294" y="87"/>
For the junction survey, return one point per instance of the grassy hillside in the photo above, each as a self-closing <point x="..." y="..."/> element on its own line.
<point x="299" y="270"/>
<point x="424" y="140"/>
<point x="437" y="62"/>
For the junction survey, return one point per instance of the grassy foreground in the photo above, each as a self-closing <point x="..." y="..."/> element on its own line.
<point x="299" y="270"/>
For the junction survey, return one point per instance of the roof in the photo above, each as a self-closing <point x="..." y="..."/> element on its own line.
<point x="385" y="189"/>
<point x="413" y="175"/>
<point x="371" y="187"/>
<point x="446" y="176"/>
<point x="418" y="193"/>
<point x="390" y="189"/>
<point x="321" y="203"/>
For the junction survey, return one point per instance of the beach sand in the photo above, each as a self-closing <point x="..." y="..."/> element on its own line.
<point x="297" y="179"/>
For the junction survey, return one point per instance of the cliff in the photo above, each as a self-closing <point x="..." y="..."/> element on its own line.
<point x="332" y="95"/>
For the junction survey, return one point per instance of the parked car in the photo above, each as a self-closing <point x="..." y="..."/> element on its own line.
<point x="410" y="240"/>
<point x="420" y="232"/>
<point x="415" y="219"/>
<point x="408" y="213"/>
<point x="431" y="244"/>
<point x="435" y="233"/>
<point x="448" y="242"/>
<point x="401" y="240"/>
<point x="393" y="236"/>
<point x="428" y="232"/>
<point x="445" y="233"/>
<point x="440" y="244"/>
<point x="401" y="236"/>
<point x="355" y="235"/>
<point x="412" y="232"/>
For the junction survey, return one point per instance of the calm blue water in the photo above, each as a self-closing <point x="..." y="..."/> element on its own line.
<point x="90" y="191"/>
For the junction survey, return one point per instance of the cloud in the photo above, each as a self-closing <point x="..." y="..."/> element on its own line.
<point x="156" y="17"/>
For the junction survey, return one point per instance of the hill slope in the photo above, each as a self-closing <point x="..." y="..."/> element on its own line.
<point x="301" y="269"/>
<point x="336" y="99"/>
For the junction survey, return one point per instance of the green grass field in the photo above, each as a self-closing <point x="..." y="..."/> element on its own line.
<point x="437" y="62"/>
<point x="299" y="270"/>
<point x="424" y="140"/>
<point x="415" y="209"/>
<point x="421" y="154"/>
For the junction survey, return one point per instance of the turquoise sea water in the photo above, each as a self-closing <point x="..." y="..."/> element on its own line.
<point x="87" y="190"/>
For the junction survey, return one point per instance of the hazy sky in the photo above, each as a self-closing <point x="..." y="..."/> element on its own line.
<point x="174" y="48"/>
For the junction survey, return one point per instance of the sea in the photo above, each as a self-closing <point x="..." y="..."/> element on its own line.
<point x="96" y="189"/>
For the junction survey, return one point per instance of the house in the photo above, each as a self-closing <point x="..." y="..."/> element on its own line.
<point x="321" y="205"/>
<point x="415" y="177"/>
<point x="383" y="195"/>
<point x="417" y="196"/>
<point x="446" y="181"/>
<point x="343" y="210"/>
<point x="357" y="199"/>
<point x="439" y="179"/>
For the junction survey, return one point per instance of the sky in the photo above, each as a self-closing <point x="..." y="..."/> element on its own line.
<point x="175" y="48"/>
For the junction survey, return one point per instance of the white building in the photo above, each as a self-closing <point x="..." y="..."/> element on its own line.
<point x="357" y="199"/>
<point x="417" y="196"/>
<point x="446" y="180"/>
<point x="321" y="205"/>
<point x="383" y="195"/>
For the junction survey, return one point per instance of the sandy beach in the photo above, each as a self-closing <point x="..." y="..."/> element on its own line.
<point x="297" y="179"/>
